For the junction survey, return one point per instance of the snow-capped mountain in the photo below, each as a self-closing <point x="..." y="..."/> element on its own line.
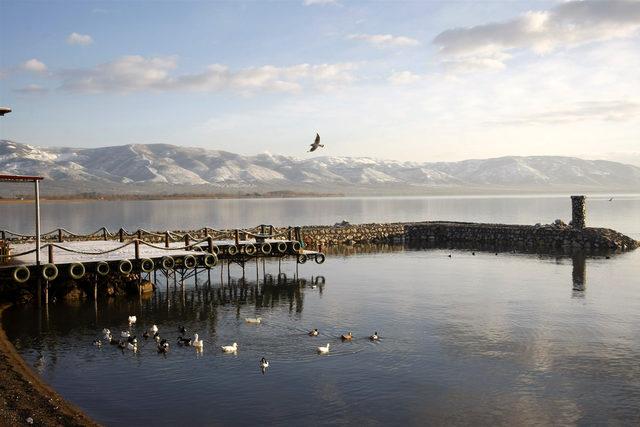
<point x="185" y="166"/>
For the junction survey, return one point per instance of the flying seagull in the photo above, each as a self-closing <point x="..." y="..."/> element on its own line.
<point x="316" y="143"/>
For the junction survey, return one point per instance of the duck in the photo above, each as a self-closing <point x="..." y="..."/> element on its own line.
<point x="125" y="334"/>
<point x="197" y="343"/>
<point x="449" y="255"/>
<point x="132" y="340"/>
<point x="230" y="348"/>
<point x="324" y="350"/>
<point x="163" y="346"/>
<point x="184" y="341"/>
<point x="106" y="331"/>
<point x="133" y="347"/>
<point x="264" y="363"/>
<point x="182" y="330"/>
<point x="97" y="343"/>
<point x="145" y="335"/>
<point x="314" y="333"/>
<point x="347" y="337"/>
<point x="156" y="337"/>
<point x="153" y="329"/>
<point x="132" y="320"/>
<point x="374" y="337"/>
<point x="108" y="337"/>
<point x="253" y="319"/>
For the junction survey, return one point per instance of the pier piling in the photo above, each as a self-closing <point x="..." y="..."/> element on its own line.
<point x="578" y="212"/>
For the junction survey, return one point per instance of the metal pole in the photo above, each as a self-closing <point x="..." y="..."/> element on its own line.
<point x="37" y="222"/>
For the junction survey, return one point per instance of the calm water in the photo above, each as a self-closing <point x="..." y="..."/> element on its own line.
<point x="484" y="339"/>
<point x="621" y="214"/>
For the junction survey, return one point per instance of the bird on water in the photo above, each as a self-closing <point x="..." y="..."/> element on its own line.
<point x="230" y="348"/>
<point x="314" y="333"/>
<point x="316" y="143"/>
<point x="347" y="337"/>
<point x="323" y="350"/>
<point x="374" y="337"/>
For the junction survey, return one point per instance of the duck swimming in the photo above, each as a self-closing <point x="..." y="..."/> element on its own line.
<point x="153" y="329"/>
<point x="230" y="348"/>
<point x="163" y="346"/>
<point x="374" y="337"/>
<point x="314" y="333"/>
<point x="184" y="341"/>
<point x="323" y="350"/>
<point x="347" y="337"/>
<point x="132" y="320"/>
<point x="253" y="319"/>
<point x="125" y="334"/>
<point x="264" y="364"/>
<point x="198" y="343"/>
<point x="97" y="343"/>
<point x="132" y="340"/>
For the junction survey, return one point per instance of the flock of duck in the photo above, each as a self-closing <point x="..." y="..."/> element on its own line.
<point x="127" y="341"/>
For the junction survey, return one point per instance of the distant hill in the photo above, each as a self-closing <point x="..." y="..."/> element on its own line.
<point x="163" y="168"/>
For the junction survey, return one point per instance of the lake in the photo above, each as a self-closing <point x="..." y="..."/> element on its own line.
<point x="482" y="339"/>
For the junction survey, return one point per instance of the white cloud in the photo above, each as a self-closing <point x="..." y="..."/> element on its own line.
<point x="385" y="40"/>
<point x="79" y="39"/>
<point x="32" y="89"/>
<point x="34" y="66"/>
<point x="566" y="25"/>
<point x="403" y="78"/>
<point x="314" y="2"/>
<point x="616" y="110"/>
<point x="137" y="73"/>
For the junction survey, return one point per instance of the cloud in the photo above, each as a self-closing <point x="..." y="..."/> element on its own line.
<point x="316" y="2"/>
<point x="564" y="26"/>
<point x="617" y="110"/>
<point x="385" y="40"/>
<point x="136" y="73"/>
<point x="34" y="66"/>
<point x="79" y="39"/>
<point x="32" y="89"/>
<point x="403" y="78"/>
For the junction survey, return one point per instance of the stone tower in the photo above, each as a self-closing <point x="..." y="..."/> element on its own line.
<point x="578" y="212"/>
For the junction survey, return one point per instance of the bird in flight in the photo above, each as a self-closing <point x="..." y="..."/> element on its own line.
<point x="316" y="143"/>
<point x="611" y="199"/>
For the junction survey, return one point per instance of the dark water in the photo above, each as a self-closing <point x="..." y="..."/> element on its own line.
<point x="620" y="214"/>
<point x="485" y="339"/>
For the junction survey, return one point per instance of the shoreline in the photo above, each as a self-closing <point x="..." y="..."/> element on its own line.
<point x="24" y="394"/>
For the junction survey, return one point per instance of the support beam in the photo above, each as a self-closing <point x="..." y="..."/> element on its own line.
<point x="37" y="189"/>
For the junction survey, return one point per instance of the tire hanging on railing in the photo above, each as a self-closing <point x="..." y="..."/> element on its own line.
<point x="168" y="263"/>
<point x="210" y="260"/>
<point x="302" y="258"/>
<point x="265" y="248"/>
<point x="189" y="261"/>
<point x="21" y="274"/>
<point x="147" y="265"/>
<point x="102" y="268"/>
<point x="76" y="270"/>
<point x="281" y="247"/>
<point x="215" y="249"/>
<point x="232" y="250"/>
<point x="320" y="258"/>
<point x="250" y="249"/>
<point x="49" y="272"/>
<point x="295" y="246"/>
<point x="125" y="267"/>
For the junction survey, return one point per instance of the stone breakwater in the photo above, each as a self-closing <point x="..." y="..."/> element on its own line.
<point x="527" y="237"/>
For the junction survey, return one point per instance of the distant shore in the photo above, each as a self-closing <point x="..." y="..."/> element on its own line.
<point x="26" y="397"/>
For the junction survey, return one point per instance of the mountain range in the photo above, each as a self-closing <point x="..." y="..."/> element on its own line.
<point x="170" y="168"/>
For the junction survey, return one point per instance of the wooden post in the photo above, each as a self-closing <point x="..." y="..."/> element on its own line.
<point x="95" y="289"/>
<point x="139" y="234"/>
<point x="60" y="235"/>
<point x="290" y="233"/>
<point x="46" y="292"/>
<point x="121" y="233"/>
<point x="50" y="250"/>
<point x="166" y="239"/>
<point x="237" y="236"/>
<point x="210" y="244"/>
<point x="271" y="230"/>
<point x="206" y="232"/>
<point x="262" y="229"/>
<point x="104" y="233"/>
<point x="186" y="240"/>
<point x="4" y="236"/>
<point x="136" y="244"/>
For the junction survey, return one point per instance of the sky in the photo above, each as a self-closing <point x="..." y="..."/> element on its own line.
<point x="404" y="80"/>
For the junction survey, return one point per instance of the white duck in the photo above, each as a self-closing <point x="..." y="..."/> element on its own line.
<point x="132" y="320"/>
<point x="253" y="319"/>
<point x="125" y="334"/>
<point x="153" y="330"/>
<point x="264" y="363"/>
<point x="132" y="346"/>
<point x="230" y="348"/>
<point x="106" y="331"/>
<point x="197" y="342"/>
<point x="323" y="350"/>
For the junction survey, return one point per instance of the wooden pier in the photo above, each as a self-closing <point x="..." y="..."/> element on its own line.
<point x="69" y="255"/>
